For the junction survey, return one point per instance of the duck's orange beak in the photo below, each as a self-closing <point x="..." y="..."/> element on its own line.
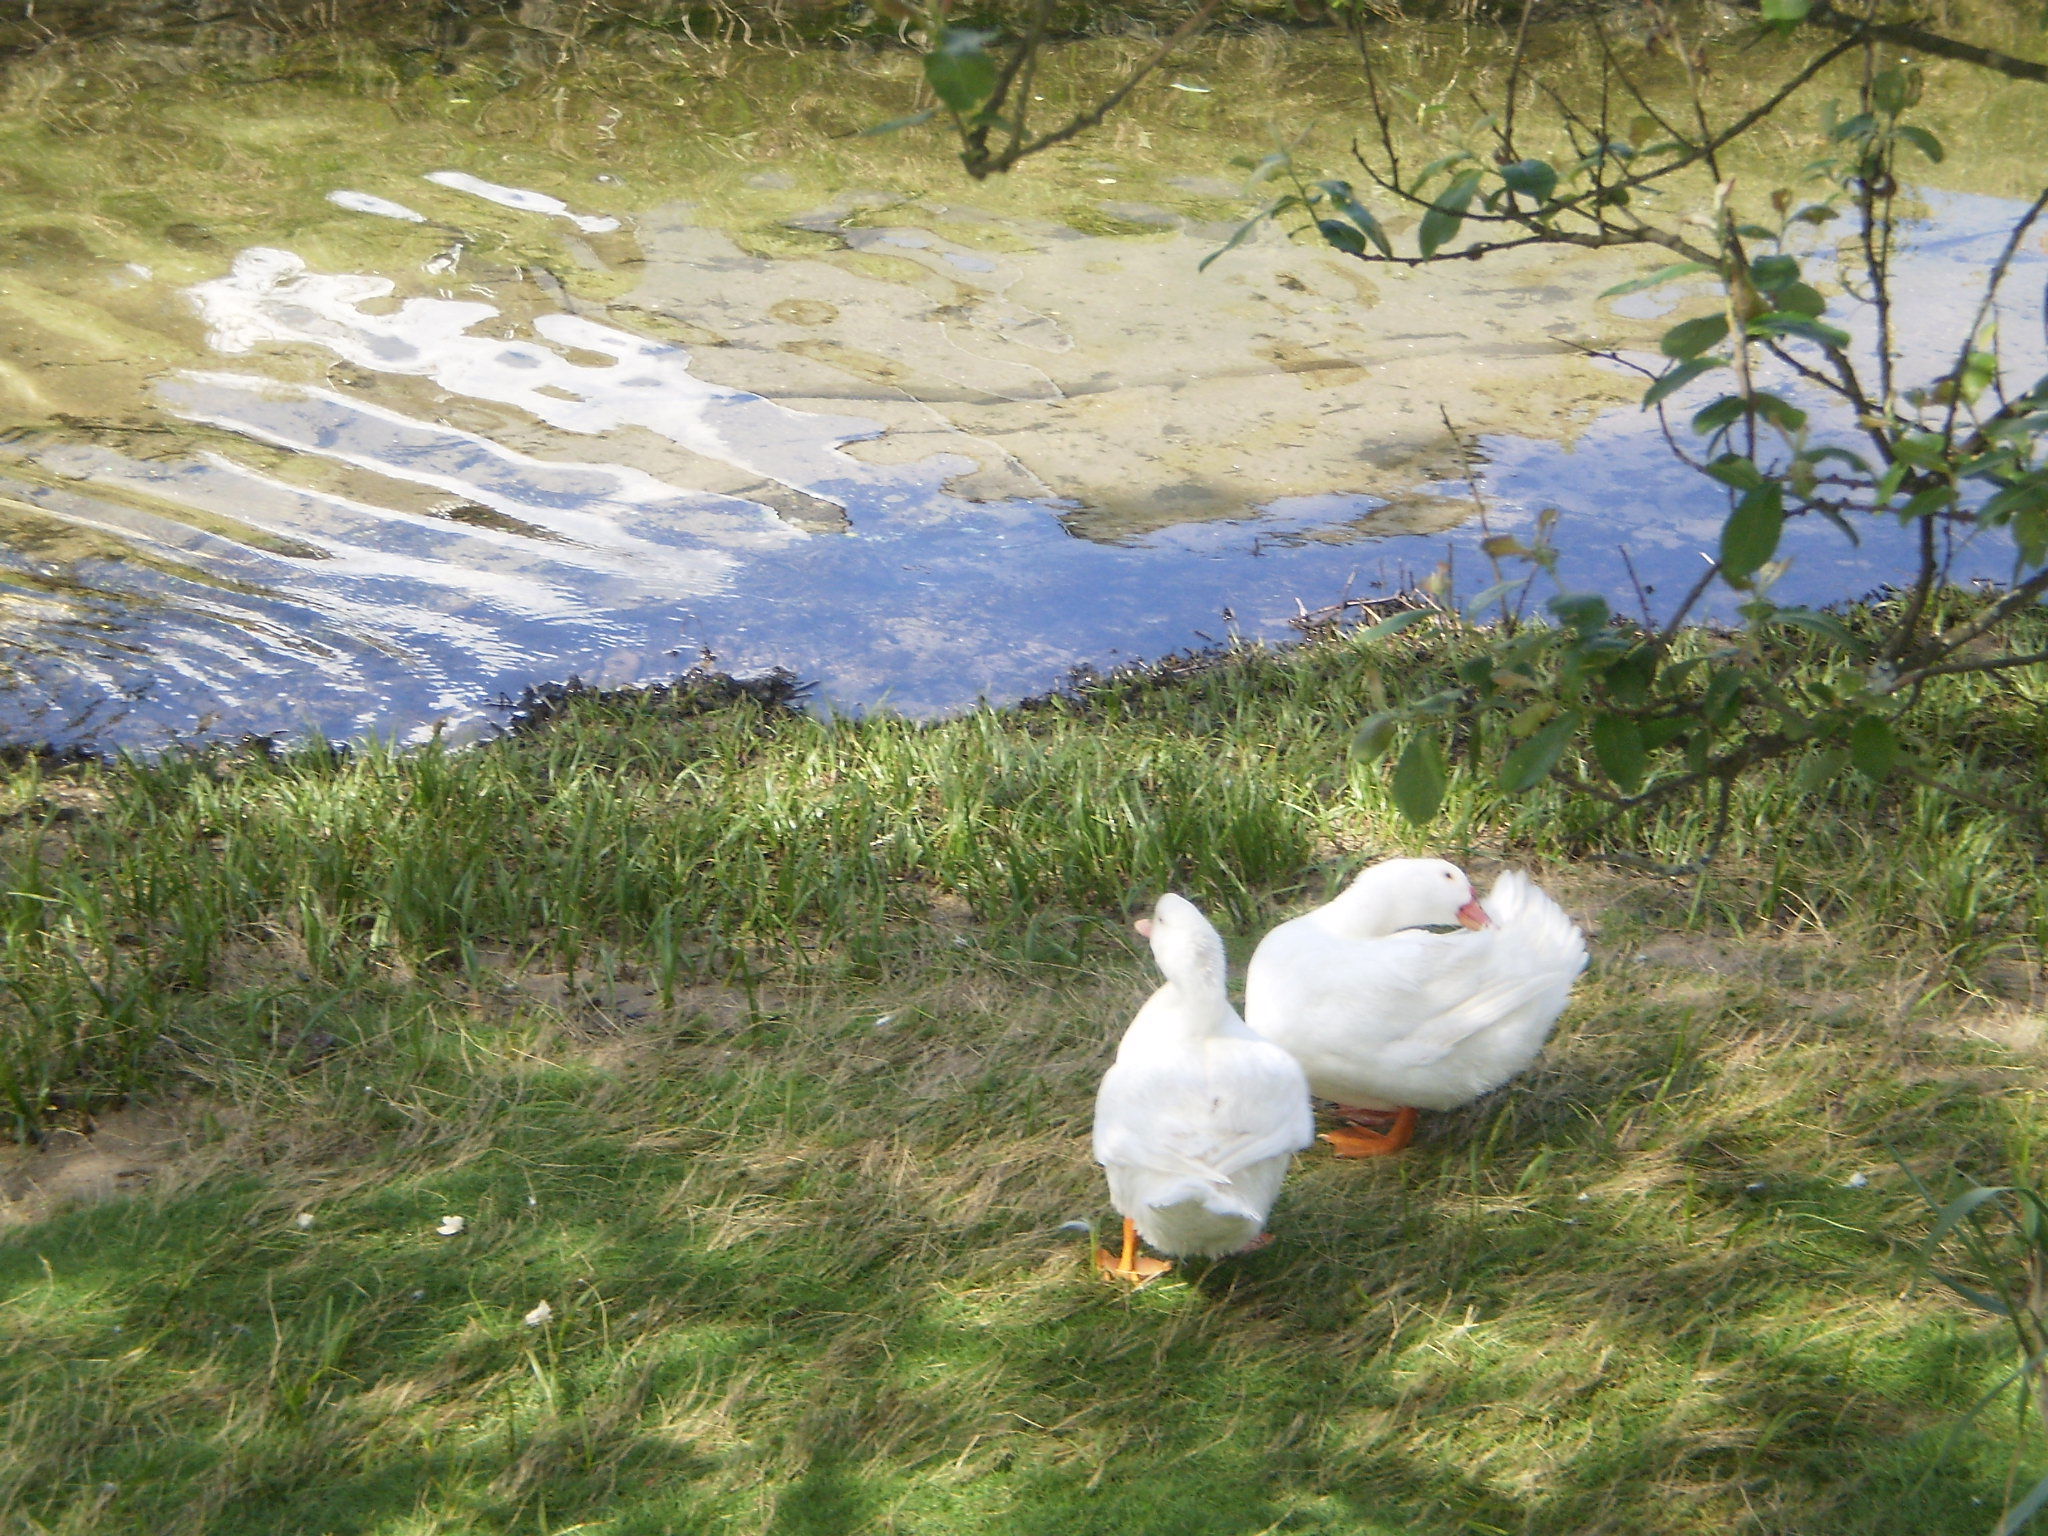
<point x="1144" y="926"/>
<point x="1473" y="915"/>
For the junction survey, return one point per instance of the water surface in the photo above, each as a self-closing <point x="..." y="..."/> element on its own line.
<point x="429" y="406"/>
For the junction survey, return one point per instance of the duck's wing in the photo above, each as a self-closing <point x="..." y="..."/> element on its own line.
<point x="1206" y="1115"/>
<point x="1410" y="997"/>
<point x="1313" y="990"/>
<point x="1515" y="975"/>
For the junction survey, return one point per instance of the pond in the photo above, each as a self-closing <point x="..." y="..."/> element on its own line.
<point x="346" y="402"/>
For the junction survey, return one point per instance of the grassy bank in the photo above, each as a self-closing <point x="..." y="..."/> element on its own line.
<point x="760" y="1048"/>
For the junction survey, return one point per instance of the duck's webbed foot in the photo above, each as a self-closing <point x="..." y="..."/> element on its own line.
<point x="1371" y="1132"/>
<point x="1131" y="1267"/>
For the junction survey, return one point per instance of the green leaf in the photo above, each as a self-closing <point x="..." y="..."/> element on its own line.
<point x="1656" y="279"/>
<point x="1772" y="273"/>
<point x="1618" y="748"/>
<point x="1819" y="770"/>
<point x="916" y="119"/>
<point x="1690" y="338"/>
<point x="1786" y="13"/>
<point x="1873" y="749"/>
<point x="1583" y="611"/>
<point x="1928" y="501"/>
<point x="1340" y="194"/>
<point x="1534" y="179"/>
<point x="1336" y="232"/>
<point x="1659" y="733"/>
<point x="2030" y="532"/>
<point x="1394" y="623"/>
<point x="962" y="74"/>
<point x="1826" y="625"/>
<point x="1979" y="371"/>
<point x="1750" y="536"/>
<point x="1781" y="322"/>
<point x="1479" y="602"/>
<point x="1447" y="213"/>
<point x="1723" y="413"/>
<point x="1735" y="469"/>
<point x="1419" y="779"/>
<point x="1895" y="89"/>
<point x="1676" y="377"/>
<point x="1723" y="692"/>
<point x="1802" y="299"/>
<point x="1778" y="412"/>
<point x="1375" y="735"/>
<point x="1629" y="676"/>
<point x="1528" y="763"/>
<point x="1443" y="163"/>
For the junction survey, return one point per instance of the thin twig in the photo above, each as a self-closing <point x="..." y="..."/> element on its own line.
<point x="981" y="167"/>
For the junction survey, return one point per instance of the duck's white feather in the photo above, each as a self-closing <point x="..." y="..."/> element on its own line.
<point x="1198" y="1118"/>
<point x="1429" y="1020"/>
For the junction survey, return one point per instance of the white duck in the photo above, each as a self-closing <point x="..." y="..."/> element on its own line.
<point x="1198" y="1118"/>
<point x="1386" y="1019"/>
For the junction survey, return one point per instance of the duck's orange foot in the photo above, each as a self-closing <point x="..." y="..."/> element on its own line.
<point x="1140" y="1271"/>
<point x="1264" y="1239"/>
<point x="1356" y="1140"/>
<point x="1131" y="1267"/>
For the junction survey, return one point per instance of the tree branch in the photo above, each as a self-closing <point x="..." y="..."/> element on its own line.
<point x="1908" y="36"/>
<point x="981" y="165"/>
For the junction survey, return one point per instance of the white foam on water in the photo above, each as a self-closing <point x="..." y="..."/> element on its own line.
<point x="369" y="202"/>
<point x="524" y="200"/>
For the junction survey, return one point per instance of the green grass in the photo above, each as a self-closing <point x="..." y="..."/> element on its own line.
<point x="762" y="1049"/>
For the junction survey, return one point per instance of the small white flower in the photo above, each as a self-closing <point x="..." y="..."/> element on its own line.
<point x="539" y="1315"/>
<point x="532" y="1200"/>
<point x="885" y="1021"/>
<point x="1857" y="1181"/>
<point x="1584" y="1197"/>
<point x="303" y="1221"/>
<point x="450" y="1225"/>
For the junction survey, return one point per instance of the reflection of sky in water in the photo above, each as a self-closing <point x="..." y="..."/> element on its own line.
<point x="1617" y="487"/>
<point x="371" y="620"/>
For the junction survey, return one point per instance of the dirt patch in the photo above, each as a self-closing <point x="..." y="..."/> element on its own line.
<point x="125" y="1152"/>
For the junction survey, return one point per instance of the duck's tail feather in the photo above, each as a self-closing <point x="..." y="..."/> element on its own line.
<point x="1217" y="1200"/>
<point x="1543" y="936"/>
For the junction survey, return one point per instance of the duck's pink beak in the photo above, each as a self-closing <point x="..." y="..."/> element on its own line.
<point x="1473" y="915"/>
<point x="1144" y="927"/>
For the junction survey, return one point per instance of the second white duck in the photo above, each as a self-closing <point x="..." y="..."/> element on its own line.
<point x="1386" y="1019"/>
<point x="1198" y="1118"/>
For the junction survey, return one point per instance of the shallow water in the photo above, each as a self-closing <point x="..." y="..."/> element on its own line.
<point x="413" y="419"/>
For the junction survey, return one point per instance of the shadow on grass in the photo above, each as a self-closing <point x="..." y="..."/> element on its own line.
<point x="823" y="1290"/>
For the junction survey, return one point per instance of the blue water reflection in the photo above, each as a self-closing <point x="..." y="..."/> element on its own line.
<point x="333" y="615"/>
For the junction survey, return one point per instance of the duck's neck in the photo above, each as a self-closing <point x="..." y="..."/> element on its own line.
<point x="1190" y="1012"/>
<point x="1365" y="910"/>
